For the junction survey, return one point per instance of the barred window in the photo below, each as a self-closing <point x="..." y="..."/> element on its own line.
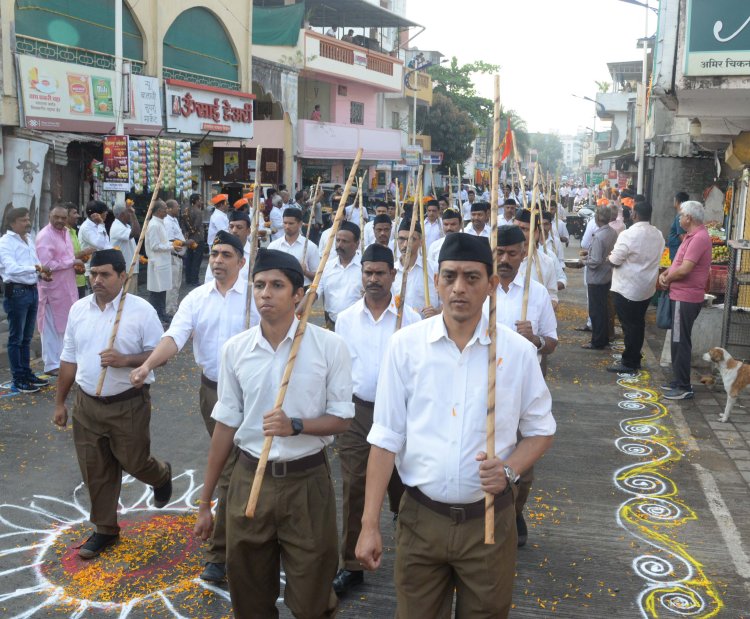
<point x="357" y="114"/>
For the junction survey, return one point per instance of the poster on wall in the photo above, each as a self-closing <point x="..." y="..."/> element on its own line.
<point x="231" y="162"/>
<point x="116" y="163"/>
<point x="21" y="185"/>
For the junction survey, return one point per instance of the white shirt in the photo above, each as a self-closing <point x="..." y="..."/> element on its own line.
<point x="87" y="334"/>
<point x="547" y="270"/>
<point x="501" y="221"/>
<point x="211" y="318"/>
<point x="119" y="236"/>
<point x="415" y="296"/>
<point x="539" y="312"/>
<point x="636" y="257"/>
<point x="466" y="210"/>
<point x="370" y="233"/>
<point x="352" y="214"/>
<point x="432" y="231"/>
<point x="219" y="221"/>
<point x="18" y="259"/>
<point x="340" y="286"/>
<point x="431" y="405"/>
<point x="322" y="243"/>
<point x="485" y="232"/>
<point x="91" y="235"/>
<point x="276" y="217"/>
<point x="588" y="233"/>
<point x="209" y="276"/>
<point x="558" y="264"/>
<point x="367" y="340"/>
<point x="433" y="253"/>
<point x="296" y="249"/>
<point x="173" y="228"/>
<point x="250" y="376"/>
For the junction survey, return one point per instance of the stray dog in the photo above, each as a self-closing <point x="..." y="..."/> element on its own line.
<point x="734" y="374"/>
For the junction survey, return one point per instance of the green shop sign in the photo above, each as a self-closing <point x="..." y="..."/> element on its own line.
<point x="718" y="37"/>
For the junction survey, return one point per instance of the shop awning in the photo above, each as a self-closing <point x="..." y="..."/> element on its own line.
<point x="58" y="141"/>
<point x="614" y="154"/>
<point x="353" y="14"/>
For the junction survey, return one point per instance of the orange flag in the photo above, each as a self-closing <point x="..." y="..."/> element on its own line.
<point x="506" y="144"/>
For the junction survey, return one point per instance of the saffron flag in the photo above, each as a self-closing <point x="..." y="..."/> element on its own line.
<point x="507" y="144"/>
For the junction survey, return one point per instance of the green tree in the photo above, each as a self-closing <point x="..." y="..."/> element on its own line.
<point x="549" y="151"/>
<point x="456" y="83"/>
<point x="451" y="128"/>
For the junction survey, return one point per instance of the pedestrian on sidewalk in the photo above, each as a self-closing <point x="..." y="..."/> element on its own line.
<point x="56" y="296"/>
<point x="599" y="278"/>
<point x="122" y="234"/>
<point x="159" y="252"/>
<point x="174" y="233"/>
<point x="20" y="270"/>
<point x="635" y="258"/>
<point x="686" y="280"/>
<point x="72" y="225"/>
<point x="111" y="429"/>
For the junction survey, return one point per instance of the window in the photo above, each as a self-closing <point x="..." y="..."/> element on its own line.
<point x="357" y="113"/>
<point x="395" y="120"/>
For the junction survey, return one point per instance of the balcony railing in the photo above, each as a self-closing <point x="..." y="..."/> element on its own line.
<point x="199" y="78"/>
<point x="67" y="53"/>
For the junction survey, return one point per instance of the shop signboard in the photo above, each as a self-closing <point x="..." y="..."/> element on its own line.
<point x="717" y="38"/>
<point x="412" y="155"/>
<point x="61" y="96"/>
<point x="197" y="109"/>
<point x="433" y="157"/>
<point x="115" y="163"/>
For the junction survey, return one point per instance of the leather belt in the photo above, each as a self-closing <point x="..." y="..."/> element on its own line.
<point x="461" y="512"/>
<point x="119" y="397"/>
<point x="282" y="469"/>
<point x="361" y="402"/>
<point x="208" y="382"/>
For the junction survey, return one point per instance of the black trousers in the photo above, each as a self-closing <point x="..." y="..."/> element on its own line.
<point x="159" y="301"/>
<point x="683" y="317"/>
<point x="193" y="259"/>
<point x="599" y="314"/>
<point x="632" y="316"/>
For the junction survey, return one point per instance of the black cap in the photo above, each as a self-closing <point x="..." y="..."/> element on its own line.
<point x="480" y="206"/>
<point x="509" y="235"/>
<point x="381" y="219"/>
<point x="432" y="203"/>
<point x="547" y="216"/>
<point x="348" y="226"/>
<point x="466" y="248"/>
<point x="451" y="213"/>
<point x="524" y="215"/>
<point x="240" y="216"/>
<point x="108" y="256"/>
<point x="293" y="211"/>
<point x="269" y="259"/>
<point x="406" y="225"/>
<point x="510" y="202"/>
<point x="227" y="238"/>
<point x="378" y="253"/>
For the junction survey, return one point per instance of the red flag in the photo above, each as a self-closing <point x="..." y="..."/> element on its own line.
<point x="507" y="143"/>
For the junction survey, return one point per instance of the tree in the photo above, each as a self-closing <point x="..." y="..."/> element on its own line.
<point x="452" y="130"/>
<point x="549" y="150"/>
<point x="602" y="86"/>
<point x="455" y="82"/>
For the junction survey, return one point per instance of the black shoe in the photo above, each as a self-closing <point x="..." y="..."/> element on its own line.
<point x="619" y="368"/>
<point x="163" y="493"/>
<point x="523" y="531"/>
<point x="214" y="572"/>
<point x="585" y="328"/>
<point x="96" y="543"/>
<point x="23" y="386"/>
<point x="346" y="579"/>
<point x="33" y="379"/>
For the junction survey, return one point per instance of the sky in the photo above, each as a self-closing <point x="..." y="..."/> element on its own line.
<point x="548" y="50"/>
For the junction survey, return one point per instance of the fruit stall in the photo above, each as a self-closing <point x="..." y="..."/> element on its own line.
<point x="717" y="277"/>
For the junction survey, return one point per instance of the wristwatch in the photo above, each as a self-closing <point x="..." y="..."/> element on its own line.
<point x="297" y="425"/>
<point x="511" y="475"/>
<point x="542" y="342"/>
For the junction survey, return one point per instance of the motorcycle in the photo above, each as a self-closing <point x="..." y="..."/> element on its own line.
<point x="577" y="223"/>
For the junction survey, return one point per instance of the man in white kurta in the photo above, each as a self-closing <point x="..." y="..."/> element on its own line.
<point x="159" y="253"/>
<point x="174" y="233"/>
<point x="219" y="218"/>
<point x="121" y="235"/>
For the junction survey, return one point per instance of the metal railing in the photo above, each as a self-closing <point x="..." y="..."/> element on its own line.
<point x="67" y="53"/>
<point x="199" y="78"/>
<point x="341" y="52"/>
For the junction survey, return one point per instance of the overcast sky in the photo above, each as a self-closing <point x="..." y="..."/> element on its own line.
<point x="547" y="50"/>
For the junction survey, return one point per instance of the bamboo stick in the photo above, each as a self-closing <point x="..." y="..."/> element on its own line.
<point x="489" y="498"/>
<point x="545" y="189"/>
<point x="517" y="163"/>
<point x="531" y="246"/>
<point x="396" y="224"/>
<point x="361" y="215"/>
<point x="252" y="502"/>
<point x="136" y="256"/>
<point x="407" y="259"/>
<point x="450" y="190"/>
<point x="253" y="237"/>
<point x="426" y="276"/>
<point x="309" y="222"/>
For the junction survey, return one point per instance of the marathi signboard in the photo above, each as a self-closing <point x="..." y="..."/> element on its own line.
<point x="60" y="96"/>
<point x="197" y="109"/>
<point x="717" y="38"/>
<point x="115" y="163"/>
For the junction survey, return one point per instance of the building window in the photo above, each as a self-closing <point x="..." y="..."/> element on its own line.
<point x="395" y="120"/>
<point x="357" y="113"/>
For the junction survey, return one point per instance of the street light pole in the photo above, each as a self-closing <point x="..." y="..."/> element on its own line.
<point x="644" y="111"/>
<point x="117" y="90"/>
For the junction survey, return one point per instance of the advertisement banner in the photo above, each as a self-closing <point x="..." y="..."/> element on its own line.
<point x="717" y="38"/>
<point x="21" y="185"/>
<point x="60" y="96"/>
<point x="197" y="109"/>
<point x="116" y="163"/>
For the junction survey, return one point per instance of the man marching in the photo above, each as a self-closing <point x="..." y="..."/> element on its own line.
<point x="294" y="243"/>
<point x="295" y="517"/>
<point x="451" y="224"/>
<point x="542" y="267"/>
<point x="365" y="327"/>
<point x="429" y="414"/>
<point x="111" y="430"/>
<point x="415" y="293"/>
<point x="211" y="314"/>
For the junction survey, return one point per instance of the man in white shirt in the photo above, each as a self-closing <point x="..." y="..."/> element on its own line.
<point x="239" y="226"/>
<point x="122" y="234"/>
<point x="558" y="217"/>
<point x="175" y="236"/>
<point x="509" y="213"/>
<point x="635" y="259"/>
<point x="542" y="267"/>
<point x="467" y="205"/>
<point x="219" y="218"/>
<point x="301" y="526"/>
<point x="464" y="195"/>
<point x="352" y="212"/>
<point x="480" y="212"/>
<point x="366" y="328"/>
<point x="92" y="235"/>
<point x="294" y="243"/>
<point x="20" y="269"/>
<point x="341" y="283"/>
<point x="553" y="247"/>
<point x="110" y="430"/>
<point x="159" y="252"/>
<point x="432" y="226"/>
<point x="427" y="304"/>
<point x="451" y="225"/>
<point x="381" y="208"/>
<point x="276" y="217"/>
<point x="210" y="314"/>
<point x="431" y="418"/>
<point x="382" y="227"/>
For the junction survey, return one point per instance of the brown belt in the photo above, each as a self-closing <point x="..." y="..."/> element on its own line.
<point x="361" y="402"/>
<point x="463" y="511"/>
<point x="119" y="397"/>
<point x="208" y="382"/>
<point x="282" y="469"/>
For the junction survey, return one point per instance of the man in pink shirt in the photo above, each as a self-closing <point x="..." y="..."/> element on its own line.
<point x="55" y="251"/>
<point x="686" y="280"/>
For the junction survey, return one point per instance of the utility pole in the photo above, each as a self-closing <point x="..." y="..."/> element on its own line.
<point x="117" y="90"/>
<point x="644" y="111"/>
